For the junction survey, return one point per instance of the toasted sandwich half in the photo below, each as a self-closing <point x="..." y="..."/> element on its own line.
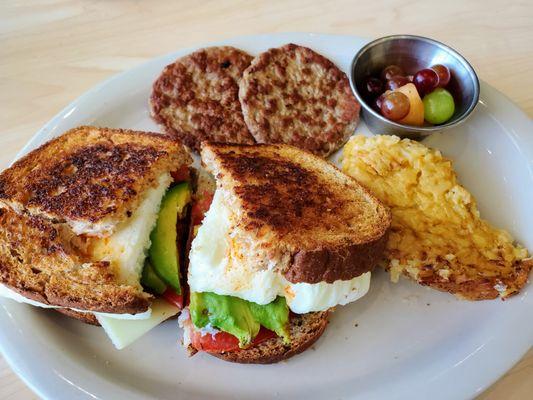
<point x="88" y="227"/>
<point x="286" y="237"/>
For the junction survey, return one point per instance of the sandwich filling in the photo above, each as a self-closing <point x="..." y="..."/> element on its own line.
<point x="230" y="293"/>
<point x="126" y="249"/>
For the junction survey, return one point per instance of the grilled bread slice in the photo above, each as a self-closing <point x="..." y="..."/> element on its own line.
<point x="90" y="178"/>
<point x="76" y="215"/>
<point x="437" y="236"/>
<point x="297" y="211"/>
<point x="87" y="317"/>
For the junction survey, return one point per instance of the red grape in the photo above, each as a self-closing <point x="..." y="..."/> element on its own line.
<point x="443" y="73"/>
<point x="395" y="82"/>
<point x="425" y="81"/>
<point x="395" y="106"/>
<point x="378" y="102"/>
<point x="374" y="87"/>
<point x="390" y="71"/>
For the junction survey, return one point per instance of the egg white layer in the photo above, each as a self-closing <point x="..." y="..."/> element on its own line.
<point x="212" y="268"/>
<point x="126" y="249"/>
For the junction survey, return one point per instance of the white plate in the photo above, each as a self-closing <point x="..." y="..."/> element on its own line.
<point x="399" y="341"/>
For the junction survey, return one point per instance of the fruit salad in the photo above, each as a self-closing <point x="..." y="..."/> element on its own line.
<point x="419" y="99"/>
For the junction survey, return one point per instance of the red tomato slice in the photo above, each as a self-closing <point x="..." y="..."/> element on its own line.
<point x="264" y="334"/>
<point x="200" y="207"/>
<point x="173" y="298"/>
<point x="181" y="174"/>
<point x="223" y="341"/>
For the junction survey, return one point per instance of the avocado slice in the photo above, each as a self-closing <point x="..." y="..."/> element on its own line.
<point x="273" y="316"/>
<point x="150" y="280"/>
<point x="227" y="313"/>
<point x="239" y="317"/>
<point x="163" y="253"/>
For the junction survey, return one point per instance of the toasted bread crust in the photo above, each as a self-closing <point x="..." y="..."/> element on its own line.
<point x="345" y="263"/>
<point x="38" y="262"/>
<point x="300" y="206"/>
<point x="93" y="176"/>
<point x="306" y="329"/>
<point x="196" y="97"/>
<point x="294" y="95"/>
<point x="86" y="317"/>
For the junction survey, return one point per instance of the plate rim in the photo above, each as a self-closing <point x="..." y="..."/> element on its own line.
<point x="47" y="131"/>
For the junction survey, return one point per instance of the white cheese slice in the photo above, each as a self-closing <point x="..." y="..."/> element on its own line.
<point x="212" y="269"/>
<point x="123" y="333"/>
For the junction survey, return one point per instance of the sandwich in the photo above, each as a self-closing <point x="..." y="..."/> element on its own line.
<point x="286" y="237"/>
<point x="89" y="226"/>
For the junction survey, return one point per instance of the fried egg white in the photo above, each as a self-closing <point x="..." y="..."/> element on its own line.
<point x="126" y="249"/>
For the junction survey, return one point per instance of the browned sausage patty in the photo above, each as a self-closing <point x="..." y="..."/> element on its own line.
<point x="196" y="97"/>
<point x="294" y="95"/>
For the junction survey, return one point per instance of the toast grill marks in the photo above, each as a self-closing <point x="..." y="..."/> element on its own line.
<point x="37" y="261"/>
<point x="91" y="178"/>
<point x="293" y="95"/>
<point x="90" y="182"/>
<point x="298" y="211"/>
<point x="196" y="97"/>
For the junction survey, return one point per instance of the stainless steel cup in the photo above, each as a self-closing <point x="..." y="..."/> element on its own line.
<point x="413" y="53"/>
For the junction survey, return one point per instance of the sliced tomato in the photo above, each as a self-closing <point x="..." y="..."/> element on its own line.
<point x="200" y="207"/>
<point x="223" y="341"/>
<point x="173" y="298"/>
<point x="217" y="343"/>
<point x="181" y="174"/>
<point x="264" y="334"/>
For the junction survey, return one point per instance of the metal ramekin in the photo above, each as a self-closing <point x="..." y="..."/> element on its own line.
<point x="413" y="53"/>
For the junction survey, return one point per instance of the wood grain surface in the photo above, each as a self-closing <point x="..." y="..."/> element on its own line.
<point x="52" y="51"/>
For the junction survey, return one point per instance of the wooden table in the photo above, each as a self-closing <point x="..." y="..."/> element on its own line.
<point x="52" y="51"/>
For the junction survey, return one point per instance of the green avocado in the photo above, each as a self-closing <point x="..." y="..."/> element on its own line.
<point x="163" y="253"/>
<point x="239" y="317"/>
<point x="273" y="316"/>
<point x="150" y="280"/>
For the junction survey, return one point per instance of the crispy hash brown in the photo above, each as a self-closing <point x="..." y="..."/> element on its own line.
<point x="196" y="97"/>
<point x="437" y="236"/>
<point x="90" y="178"/>
<point x="296" y="96"/>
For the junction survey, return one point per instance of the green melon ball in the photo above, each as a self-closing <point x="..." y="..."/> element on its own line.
<point x="438" y="106"/>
